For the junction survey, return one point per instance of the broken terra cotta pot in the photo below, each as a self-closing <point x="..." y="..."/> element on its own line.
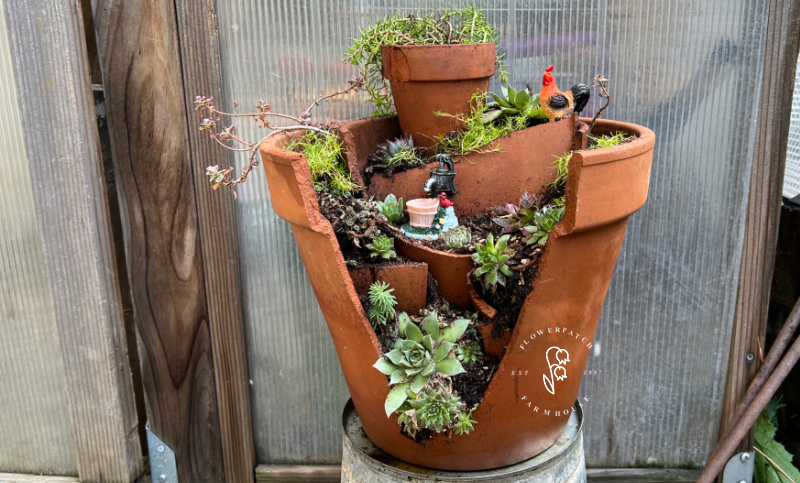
<point x="531" y="396"/>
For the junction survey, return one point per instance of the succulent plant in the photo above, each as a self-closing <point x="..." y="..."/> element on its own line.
<point x="468" y="353"/>
<point x="518" y="216"/>
<point x="400" y="151"/>
<point x="457" y="237"/>
<point x="465" y="423"/>
<point x="417" y="355"/>
<point x="437" y="409"/>
<point x="381" y="303"/>
<point x="514" y="103"/>
<point x="391" y="208"/>
<point x="491" y="259"/>
<point x="544" y="221"/>
<point x="383" y="247"/>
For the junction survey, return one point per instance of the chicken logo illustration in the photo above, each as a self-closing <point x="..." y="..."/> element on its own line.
<point x="557" y="359"/>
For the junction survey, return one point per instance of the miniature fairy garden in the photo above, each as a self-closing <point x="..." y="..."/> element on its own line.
<point x="403" y="219"/>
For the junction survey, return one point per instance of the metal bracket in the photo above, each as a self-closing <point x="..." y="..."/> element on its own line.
<point x="162" y="460"/>
<point x="739" y="469"/>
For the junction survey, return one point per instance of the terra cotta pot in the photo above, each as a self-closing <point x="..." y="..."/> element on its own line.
<point x="427" y="79"/>
<point x="529" y="400"/>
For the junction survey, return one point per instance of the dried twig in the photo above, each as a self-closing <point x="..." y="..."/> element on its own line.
<point x="602" y="82"/>
<point x="225" y="135"/>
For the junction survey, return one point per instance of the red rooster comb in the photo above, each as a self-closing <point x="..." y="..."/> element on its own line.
<point x="549" y="69"/>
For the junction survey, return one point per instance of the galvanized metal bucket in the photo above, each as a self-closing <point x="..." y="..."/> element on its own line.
<point x="363" y="462"/>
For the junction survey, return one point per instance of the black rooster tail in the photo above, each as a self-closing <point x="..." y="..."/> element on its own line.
<point x="580" y="96"/>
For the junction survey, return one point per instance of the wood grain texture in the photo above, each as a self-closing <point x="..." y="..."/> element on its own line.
<point x="140" y="58"/>
<point x="200" y="59"/>
<point x="639" y="475"/>
<point x="21" y="478"/>
<point x="298" y="473"/>
<point x="764" y="200"/>
<point x="50" y="61"/>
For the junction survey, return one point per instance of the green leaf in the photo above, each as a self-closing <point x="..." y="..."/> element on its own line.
<point x="385" y="366"/>
<point x="523" y="99"/>
<point x="430" y="325"/>
<point x="491" y="115"/>
<point x="413" y="333"/>
<point x="397" y="396"/>
<point x="442" y="351"/>
<point x="395" y="356"/>
<point x="449" y="367"/>
<point x="429" y="369"/>
<point x="537" y="114"/>
<point x="402" y="322"/>
<point x="419" y="382"/>
<point x="512" y="95"/>
<point x="765" y="441"/>
<point x="459" y="327"/>
<point x="502" y="243"/>
<point x="427" y="341"/>
<point x="504" y="91"/>
<point x="398" y="376"/>
<point x="500" y="100"/>
<point x="506" y="271"/>
<point x="491" y="277"/>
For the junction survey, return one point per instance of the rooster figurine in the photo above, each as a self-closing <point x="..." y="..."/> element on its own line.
<point x="557" y="104"/>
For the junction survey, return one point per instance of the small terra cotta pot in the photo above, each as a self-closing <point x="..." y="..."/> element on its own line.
<point x="531" y="395"/>
<point x="427" y="79"/>
<point x="421" y="211"/>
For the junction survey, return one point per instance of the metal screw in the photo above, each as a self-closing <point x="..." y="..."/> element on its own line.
<point x="745" y="456"/>
<point x="164" y="478"/>
<point x="750" y="358"/>
<point x="742" y="481"/>
<point x="160" y="448"/>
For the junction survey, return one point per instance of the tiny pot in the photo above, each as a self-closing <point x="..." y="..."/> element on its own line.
<point x="421" y="211"/>
<point x="427" y="79"/>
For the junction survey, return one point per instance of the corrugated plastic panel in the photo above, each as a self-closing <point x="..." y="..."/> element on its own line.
<point x="791" y="181"/>
<point x="688" y="69"/>
<point x="35" y="428"/>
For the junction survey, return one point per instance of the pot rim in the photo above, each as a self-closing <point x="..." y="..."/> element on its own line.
<point x="438" y="62"/>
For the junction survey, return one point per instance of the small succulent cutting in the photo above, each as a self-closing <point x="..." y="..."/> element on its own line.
<point x="381" y="304"/>
<point x="457" y="237"/>
<point x="469" y="353"/>
<point x="419" y="368"/>
<point x="437" y="409"/>
<point x="399" y="152"/>
<point x="518" y="216"/>
<point x="391" y="208"/>
<point x="491" y="259"/>
<point x="544" y="221"/>
<point x="383" y="247"/>
<point x="512" y="103"/>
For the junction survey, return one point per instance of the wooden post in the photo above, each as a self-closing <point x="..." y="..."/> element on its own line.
<point x="202" y="75"/>
<point x="55" y="99"/>
<point x="763" y="207"/>
<point x="145" y="102"/>
<point x="181" y="242"/>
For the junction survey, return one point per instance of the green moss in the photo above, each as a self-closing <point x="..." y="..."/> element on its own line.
<point x="325" y="157"/>
<point x="478" y="133"/>
<point x="451" y="26"/>
<point x="608" y="140"/>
